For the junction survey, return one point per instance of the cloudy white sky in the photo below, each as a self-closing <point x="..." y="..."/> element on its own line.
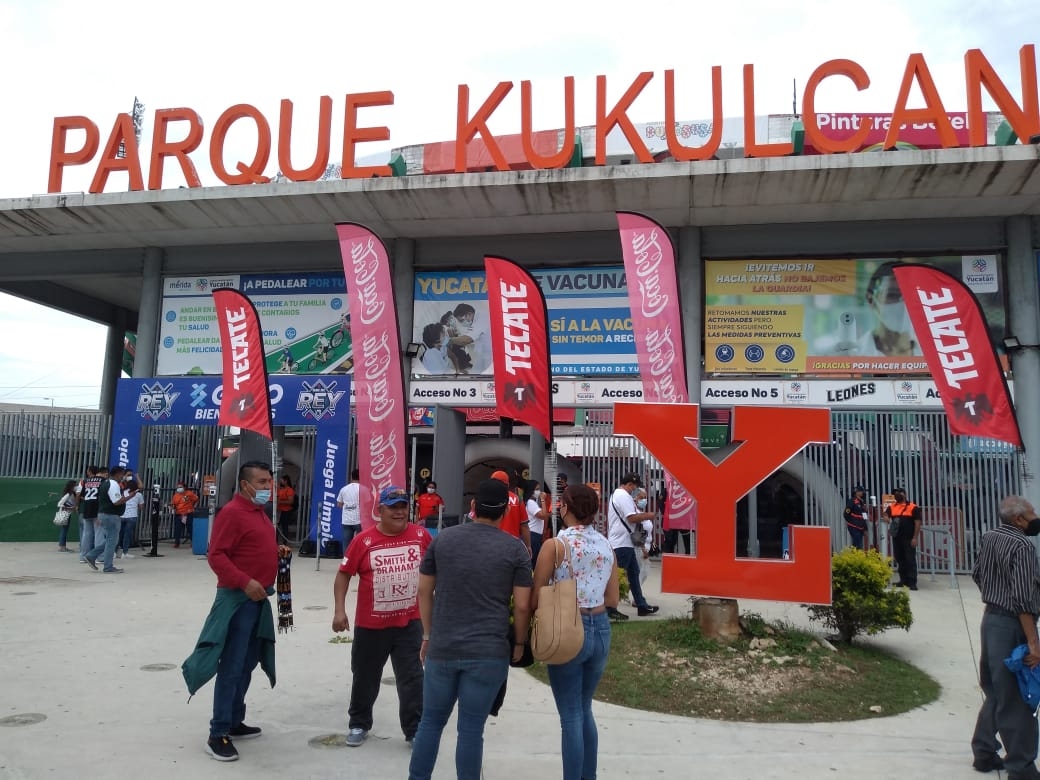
<point x="92" y="59"/>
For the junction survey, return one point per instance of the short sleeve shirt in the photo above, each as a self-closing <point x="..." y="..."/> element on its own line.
<point x="350" y="497"/>
<point x="387" y="568"/>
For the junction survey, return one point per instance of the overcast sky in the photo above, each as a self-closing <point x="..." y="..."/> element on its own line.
<point x="92" y="59"/>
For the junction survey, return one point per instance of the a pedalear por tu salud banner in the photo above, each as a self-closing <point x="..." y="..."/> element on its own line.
<point x="827" y="316"/>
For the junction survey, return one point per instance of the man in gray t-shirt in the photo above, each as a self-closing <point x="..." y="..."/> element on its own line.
<point x="466" y="580"/>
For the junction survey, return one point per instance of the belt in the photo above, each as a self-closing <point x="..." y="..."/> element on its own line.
<point x="995" y="610"/>
<point x="593" y="610"/>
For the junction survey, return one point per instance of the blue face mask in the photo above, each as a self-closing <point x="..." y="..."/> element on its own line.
<point x="641" y="503"/>
<point x="262" y="497"/>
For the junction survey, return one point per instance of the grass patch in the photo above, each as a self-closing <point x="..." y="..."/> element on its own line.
<point x="773" y="674"/>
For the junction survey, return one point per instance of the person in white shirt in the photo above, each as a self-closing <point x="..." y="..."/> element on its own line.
<point x="131" y="512"/>
<point x="349" y="500"/>
<point x="436" y="358"/>
<point x="536" y="516"/>
<point x="622" y="518"/>
<point x="893" y="334"/>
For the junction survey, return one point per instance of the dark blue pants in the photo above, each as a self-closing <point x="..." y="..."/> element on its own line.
<point x="240" y="656"/>
<point x="626" y="559"/>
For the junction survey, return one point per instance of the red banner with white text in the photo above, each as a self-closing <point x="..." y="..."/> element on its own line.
<point x="244" y="402"/>
<point x="653" y="297"/>
<point x="378" y="381"/>
<point x="519" y="345"/>
<point x="951" y="329"/>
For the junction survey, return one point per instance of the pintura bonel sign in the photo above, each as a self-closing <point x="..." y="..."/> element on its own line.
<point x="178" y="134"/>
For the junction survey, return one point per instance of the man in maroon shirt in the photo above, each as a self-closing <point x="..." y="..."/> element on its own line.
<point x="386" y="559"/>
<point x="243" y="553"/>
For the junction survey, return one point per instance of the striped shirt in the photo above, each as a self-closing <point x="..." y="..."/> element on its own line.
<point x="1006" y="571"/>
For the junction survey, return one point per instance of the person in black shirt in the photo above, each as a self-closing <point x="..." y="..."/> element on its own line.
<point x="856" y="515"/>
<point x="88" y="508"/>
<point x="1009" y="579"/>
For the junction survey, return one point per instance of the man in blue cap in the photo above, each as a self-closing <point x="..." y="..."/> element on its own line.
<point x="856" y="516"/>
<point x="386" y="559"/>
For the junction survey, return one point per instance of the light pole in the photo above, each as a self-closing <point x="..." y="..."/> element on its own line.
<point x="49" y="399"/>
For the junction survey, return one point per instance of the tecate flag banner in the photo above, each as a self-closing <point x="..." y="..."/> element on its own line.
<point x="519" y="345"/>
<point x="951" y="329"/>
<point x="244" y="403"/>
<point x="378" y="382"/>
<point x="653" y="297"/>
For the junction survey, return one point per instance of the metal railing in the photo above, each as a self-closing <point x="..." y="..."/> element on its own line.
<point x="52" y="445"/>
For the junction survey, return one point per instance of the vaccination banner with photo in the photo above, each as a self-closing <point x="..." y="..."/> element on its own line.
<point x="590" y="325"/>
<point x="304" y="318"/>
<point x="828" y="316"/>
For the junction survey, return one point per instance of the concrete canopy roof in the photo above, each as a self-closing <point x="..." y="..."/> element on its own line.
<point x="54" y="247"/>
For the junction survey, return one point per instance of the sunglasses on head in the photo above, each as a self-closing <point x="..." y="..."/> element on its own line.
<point x="397" y="494"/>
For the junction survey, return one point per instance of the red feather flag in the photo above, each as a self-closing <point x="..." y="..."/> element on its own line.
<point x="519" y="344"/>
<point x="244" y="402"/>
<point x="951" y="328"/>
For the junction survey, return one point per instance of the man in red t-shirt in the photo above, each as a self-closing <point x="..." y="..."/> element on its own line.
<point x="386" y="559"/>
<point x="515" y="520"/>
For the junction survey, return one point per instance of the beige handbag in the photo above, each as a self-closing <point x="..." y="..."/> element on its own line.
<point x="557" y="634"/>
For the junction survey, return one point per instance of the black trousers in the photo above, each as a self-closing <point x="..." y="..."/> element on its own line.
<point x="368" y="655"/>
<point x="906" y="560"/>
<point x="671" y="540"/>
<point x="1004" y="711"/>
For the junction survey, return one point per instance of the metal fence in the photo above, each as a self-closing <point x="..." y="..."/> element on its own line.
<point x="958" y="481"/>
<point x="52" y="445"/>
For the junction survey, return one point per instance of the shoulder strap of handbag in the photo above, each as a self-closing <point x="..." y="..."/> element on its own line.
<point x="567" y="557"/>
<point x="621" y="517"/>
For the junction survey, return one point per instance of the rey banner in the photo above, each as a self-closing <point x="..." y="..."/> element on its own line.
<point x="519" y="345"/>
<point x="653" y="297"/>
<point x="381" y="413"/>
<point x="244" y="402"/>
<point x="951" y="329"/>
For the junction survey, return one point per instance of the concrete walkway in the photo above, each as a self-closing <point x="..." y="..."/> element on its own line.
<point x="76" y="647"/>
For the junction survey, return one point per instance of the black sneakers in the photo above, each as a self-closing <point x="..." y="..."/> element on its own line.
<point x="242" y="731"/>
<point x="222" y="749"/>
<point x="987" y="763"/>
<point x="616" y="614"/>
<point x="648" y="610"/>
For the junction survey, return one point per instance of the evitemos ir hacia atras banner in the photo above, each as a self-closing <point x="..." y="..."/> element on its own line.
<point x="304" y="317"/>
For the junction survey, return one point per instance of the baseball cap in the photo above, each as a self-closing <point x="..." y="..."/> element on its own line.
<point x="898" y="489"/>
<point x="632" y="477"/>
<point x="492" y="494"/>
<point x="501" y="476"/>
<point x="858" y="489"/>
<point x="393" y="495"/>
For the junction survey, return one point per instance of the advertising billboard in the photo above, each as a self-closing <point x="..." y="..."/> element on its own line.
<point x="590" y="326"/>
<point x="304" y="317"/>
<point x="829" y="316"/>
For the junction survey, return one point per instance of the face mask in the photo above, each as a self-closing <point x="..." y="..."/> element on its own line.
<point x="431" y="490"/>
<point x="128" y="477"/>
<point x="641" y="503"/>
<point x="262" y="497"/>
<point x="180" y="490"/>
<point x="896" y="318"/>
<point x="536" y="494"/>
<point x="1033" y="529"/>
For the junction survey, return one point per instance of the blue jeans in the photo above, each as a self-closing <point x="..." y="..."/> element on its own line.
<point x="110" y="523"/>
<point x="573" y="685"/>
<point x="126" y="534"/>
<point x="349" y="532"/>
<point x="856" y="535"/>
<point x="86" y="535"/>
<point x="239" y="657"/>
<point x="474" y="683"/>
<point x="626" y="559"/>
<point x="181" y="528"/>
<point x="536" y="546"/>
<point x="63" y="533"/>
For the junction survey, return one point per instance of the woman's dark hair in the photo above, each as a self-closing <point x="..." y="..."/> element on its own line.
<point x="581" y="501"/>
<point x="431" y="334"/>
<point x="286" y="480"/>
<point x="70" y="486"/>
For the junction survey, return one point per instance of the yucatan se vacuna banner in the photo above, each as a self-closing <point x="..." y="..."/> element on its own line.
<point x="381" y="413"/>
<point x="519" y="345"/>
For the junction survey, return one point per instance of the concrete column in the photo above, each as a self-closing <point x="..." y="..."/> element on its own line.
<point x="449" y="457"/>
<point x="691" y="292"/>
<point x="149" y="312"/>
<point x="113" y="365"/>
<point x="1024" y="324"/>
<point x="404" y="296"/>
<point x="536" y="459"/>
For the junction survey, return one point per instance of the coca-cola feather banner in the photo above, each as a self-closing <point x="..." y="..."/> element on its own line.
<point x="519" y="345"/>
<point x="653" y="297"/>
<point x="951" y="328"/>
<point x="244" y="402"/>
<point x="381" y="413"/>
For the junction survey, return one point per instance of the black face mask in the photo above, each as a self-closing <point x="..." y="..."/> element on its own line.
<point x="1033" y="529"/>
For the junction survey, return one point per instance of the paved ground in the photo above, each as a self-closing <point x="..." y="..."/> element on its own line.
<point x="75" y="647"/>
